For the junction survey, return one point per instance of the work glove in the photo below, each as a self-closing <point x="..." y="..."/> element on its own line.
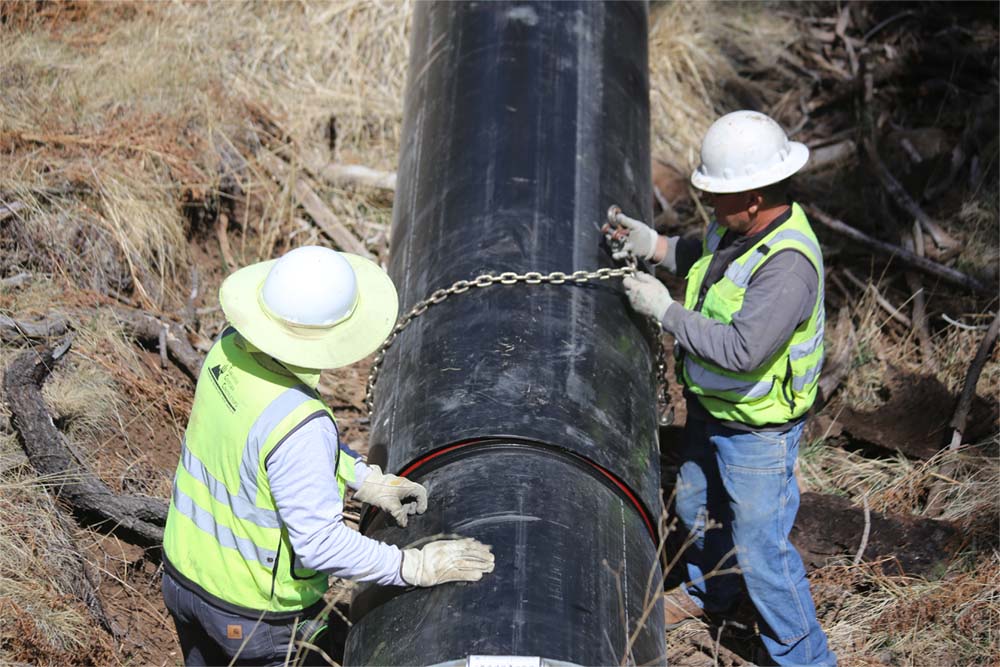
<point x="441" y="561"/>
<point x="387" y="492"/>
<point x="647" y="295"/>
<point x="639" y="239"/>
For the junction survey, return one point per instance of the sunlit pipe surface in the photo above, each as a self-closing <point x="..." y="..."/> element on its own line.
<point x="528" y="411"/>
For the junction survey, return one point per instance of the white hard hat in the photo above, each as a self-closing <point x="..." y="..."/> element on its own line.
<point x="744" y="150"/>
<point x="314" y="307"/>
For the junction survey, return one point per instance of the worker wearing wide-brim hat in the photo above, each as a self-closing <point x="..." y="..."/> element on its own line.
<point x="255" y="523"/>
<point x="749" y="349"/>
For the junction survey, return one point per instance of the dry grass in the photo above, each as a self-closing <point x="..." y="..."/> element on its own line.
<point x="874" y="619"/>
<point x="882" y="343"/>
<point x="124" y="127"/>
<point x="42" y="612"/>
<point x="697" y="54"/>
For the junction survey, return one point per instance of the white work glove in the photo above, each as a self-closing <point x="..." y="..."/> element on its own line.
<point x="387" y="492"/>
<point x="647" y="295"/>
<point x="438" y="562"/>
<point x="639" y="239"/>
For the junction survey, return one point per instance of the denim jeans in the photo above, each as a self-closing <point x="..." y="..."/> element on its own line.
<point x="745" y="482"/>
<point x="210" y="635"/>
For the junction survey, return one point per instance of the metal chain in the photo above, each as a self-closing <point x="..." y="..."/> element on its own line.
<point x="505" y="278"/>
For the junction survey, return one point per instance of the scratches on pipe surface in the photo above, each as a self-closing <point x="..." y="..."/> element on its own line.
<point x="498" y="518"/>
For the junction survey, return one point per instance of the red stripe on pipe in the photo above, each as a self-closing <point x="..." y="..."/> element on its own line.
<point x="614" y="480"/>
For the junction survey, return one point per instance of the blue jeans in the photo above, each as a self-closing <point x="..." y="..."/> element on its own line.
<point x="746" y="482"/>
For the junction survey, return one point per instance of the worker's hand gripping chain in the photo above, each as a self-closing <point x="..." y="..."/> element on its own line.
<point x="387" y="492"/>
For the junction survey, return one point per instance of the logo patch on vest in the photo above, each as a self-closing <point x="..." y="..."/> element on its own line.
<point x="223" y="381"/>
<point x="234" y="631"/>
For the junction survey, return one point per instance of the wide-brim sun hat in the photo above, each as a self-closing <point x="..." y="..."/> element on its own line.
<point x="314" y="307"/>
<point x="745" y="150"/>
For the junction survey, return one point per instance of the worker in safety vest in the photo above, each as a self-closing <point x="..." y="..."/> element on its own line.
<point x="255" y="522"/>
<point x="749" y="348"/>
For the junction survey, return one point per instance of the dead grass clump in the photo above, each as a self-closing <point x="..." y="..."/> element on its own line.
<point x="873" y="618"/>
<point x="43" y="617"/>
<point x="698" y="52"/>
<point x="883" y="344"/>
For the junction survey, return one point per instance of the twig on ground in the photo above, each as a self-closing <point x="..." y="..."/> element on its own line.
<point x="945" y="273"/>
<point x="222" y="234"/>
<point x="879" y="299"/>
<point x="963" y="325"/>
<point x="961" y="416"/>
<point x="866" y="532"/>
<point x="10" y="209"/>
<point x="913" y="281"/>
<point x="841" y="27"/>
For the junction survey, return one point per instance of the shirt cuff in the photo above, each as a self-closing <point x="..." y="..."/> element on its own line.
<point x="361" y="471"/>
<point x="672" y="317"/>
<point x="669" y="261"/>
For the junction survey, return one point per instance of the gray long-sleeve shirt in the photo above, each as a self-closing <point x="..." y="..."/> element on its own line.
<point x="780" y="296"/>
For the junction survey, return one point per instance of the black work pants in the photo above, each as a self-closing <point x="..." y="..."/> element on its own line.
<point x="210" y="635"/>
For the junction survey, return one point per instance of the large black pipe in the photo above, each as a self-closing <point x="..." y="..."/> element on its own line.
<point x="528" y="411"/>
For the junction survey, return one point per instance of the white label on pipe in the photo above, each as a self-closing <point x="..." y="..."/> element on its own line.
<point x="503" y="661"/>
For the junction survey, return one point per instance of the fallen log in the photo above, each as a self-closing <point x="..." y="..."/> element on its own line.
<point x="941" y="238"/>
<point x="945" y="273"/>
<point x="136" y="519"/>
<point x="150" y="330"/>
<point x="320" y="213"/>
<point x="12" y="330"/>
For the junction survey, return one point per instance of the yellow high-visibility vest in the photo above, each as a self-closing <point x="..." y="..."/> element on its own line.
<point x="223" y="530"/>
<point x="784" y="387"/>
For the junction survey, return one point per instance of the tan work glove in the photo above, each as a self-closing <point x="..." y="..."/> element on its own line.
<point x="387" y="492"/>
<point x="438" y="562"/>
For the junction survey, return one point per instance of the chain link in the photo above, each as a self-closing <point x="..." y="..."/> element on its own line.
<point x="507" y="278"/>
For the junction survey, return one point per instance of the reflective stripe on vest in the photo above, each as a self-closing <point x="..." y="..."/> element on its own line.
<point x="800" y="382"/>
<point x="206" y="521"/>
<point x="243" y="509"/>
<point x="278" y="409"/>
<point x="741" y="273"/>
<point x="803" y="350"/>
<point x="713" y="381"/>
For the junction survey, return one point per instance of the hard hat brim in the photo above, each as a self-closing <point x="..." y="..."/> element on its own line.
<point x="319" y="348"/>
<point x="797" y="158"/>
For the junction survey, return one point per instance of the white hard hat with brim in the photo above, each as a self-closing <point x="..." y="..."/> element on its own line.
<point x="746" y="150"/>
<point x="342" y="343"/>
